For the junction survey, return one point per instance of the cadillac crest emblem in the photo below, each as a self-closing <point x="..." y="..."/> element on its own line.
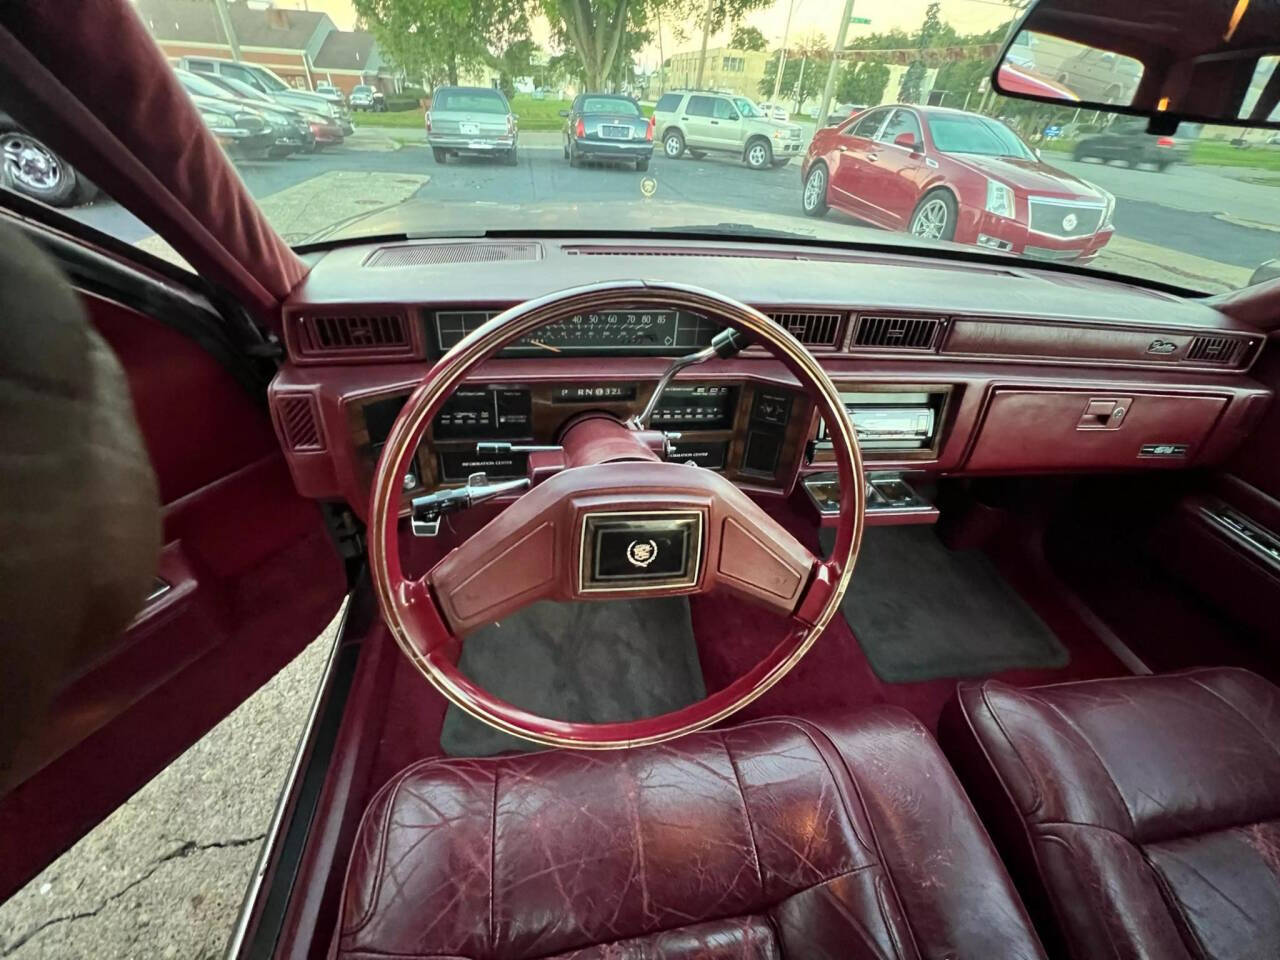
<point x="641" y="553"/>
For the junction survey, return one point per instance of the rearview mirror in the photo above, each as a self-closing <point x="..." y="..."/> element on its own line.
<point x="907" y="140"/>
<point x="1209" y="61"/>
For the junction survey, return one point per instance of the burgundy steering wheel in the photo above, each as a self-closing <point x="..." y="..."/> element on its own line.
<point x="610" y="520"/>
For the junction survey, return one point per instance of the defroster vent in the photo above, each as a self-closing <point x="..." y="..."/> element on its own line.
<point x="1224" y="350"/>
<point x="433" y="254"/>
<point x="811" y="329"/>
<point x="298" y="422"/>
<point x="896" y="333"/>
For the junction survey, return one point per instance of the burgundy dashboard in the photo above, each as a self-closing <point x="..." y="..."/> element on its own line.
<point x="946" y="368"/>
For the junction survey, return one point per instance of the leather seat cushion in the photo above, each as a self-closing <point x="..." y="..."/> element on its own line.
<point x="1141" y="815"/>
<point x="780" y="838"/>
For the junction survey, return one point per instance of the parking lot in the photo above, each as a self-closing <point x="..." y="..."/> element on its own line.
<point x="1198" y="226"/>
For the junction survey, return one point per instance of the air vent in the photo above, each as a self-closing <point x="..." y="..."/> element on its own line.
<point x="896" y="333"/>
<point x="1224" y="350"/>
<point x="432" y="254"/>
<point x="374" y="336"/>
<point x="811" y="329"/>
<point x="298" y="423"/>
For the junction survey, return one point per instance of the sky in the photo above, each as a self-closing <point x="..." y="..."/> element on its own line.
<point x="808" y="16"/>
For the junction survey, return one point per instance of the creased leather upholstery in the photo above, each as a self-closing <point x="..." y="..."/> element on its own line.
<point x="781" y="838"/>
<point x="1143" y="813"/>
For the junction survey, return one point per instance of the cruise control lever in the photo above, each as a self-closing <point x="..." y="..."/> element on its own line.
<point x="426" y="511"/>
<point x="724" y="345"/>
<point x="490" y="448"/>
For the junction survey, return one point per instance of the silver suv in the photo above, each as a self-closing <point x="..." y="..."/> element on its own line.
<point x="699" y="121"/>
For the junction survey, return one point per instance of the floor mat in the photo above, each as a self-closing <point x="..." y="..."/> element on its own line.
<point x="593" y="662"/>
<point x="920" y="611"/>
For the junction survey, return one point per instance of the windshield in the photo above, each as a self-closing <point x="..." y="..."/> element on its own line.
<point x="962" y="134"/>
<point x="243" y="89"/>
<point x="202" y="87"/>
<point x="610" y="105"/>
<point x="468" y="101"/>
<point x="460" y="124"/>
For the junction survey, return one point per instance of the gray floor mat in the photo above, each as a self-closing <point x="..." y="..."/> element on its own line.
<point x="593" y="662"/>
<point x="921" y="611"/>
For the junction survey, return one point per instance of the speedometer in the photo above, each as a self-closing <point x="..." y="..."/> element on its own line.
<point x="636" y="332"/>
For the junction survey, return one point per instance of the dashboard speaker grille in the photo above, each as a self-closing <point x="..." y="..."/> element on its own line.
<point x="430" y="254"/>
<point x="298" y="422"/>
<point x="896" y="333"/>
<point x="1225" y="350"/>
<point x="811" y="329"/>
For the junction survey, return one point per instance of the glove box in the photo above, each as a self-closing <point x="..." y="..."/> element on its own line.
<point x="1044" y="430"/>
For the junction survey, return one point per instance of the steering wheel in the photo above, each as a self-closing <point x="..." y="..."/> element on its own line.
<point x="610" y="520"/>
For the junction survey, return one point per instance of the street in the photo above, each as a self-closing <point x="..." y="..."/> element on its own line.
<point x="1202" y="227"/>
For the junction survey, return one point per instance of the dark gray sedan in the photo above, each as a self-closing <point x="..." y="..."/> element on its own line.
<point x="606" y="126"/>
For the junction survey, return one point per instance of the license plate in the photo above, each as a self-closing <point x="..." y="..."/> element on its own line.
<point x="469" y="129"/>
<point x="613" y="132"/>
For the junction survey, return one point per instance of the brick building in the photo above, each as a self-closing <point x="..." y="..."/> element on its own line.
<point x="302" y="47"/>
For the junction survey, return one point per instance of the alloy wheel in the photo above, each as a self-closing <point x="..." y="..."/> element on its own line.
<point x="674" y="146"/>
<point x="30" y="164"/>
<point x="930" y="221"/>
<point x="815" y="188"/>
<point x="758" y="156"/>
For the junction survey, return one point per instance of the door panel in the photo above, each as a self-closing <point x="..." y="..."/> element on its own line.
<point x="698" y="131"/>
<point x="848" y="179"/>
<point x="250" y="574"/>
<point x="891" y="180"/>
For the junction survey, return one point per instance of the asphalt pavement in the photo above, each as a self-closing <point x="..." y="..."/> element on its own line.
<point x="1209" y="215"/>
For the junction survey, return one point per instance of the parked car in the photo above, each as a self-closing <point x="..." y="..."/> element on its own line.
<point x="724" y="123"/>
<point x="266" y="81"/>
<point x="774" y="111"/>
<point x="242" y="132"/>
<point x="1013" y="78"/>
<point x="365" y="97"/>
<point x="332" y="94"/>
<point x="28" y="167"/>
<point x="471" y="120"/>
<point x="943" y="174"/>
<point x="607" y="126"/>
<point x="841" y="112"/>
<point x="1129" y="141"/>
<point x="292" y="132"/>
<point x="323" y="127"/>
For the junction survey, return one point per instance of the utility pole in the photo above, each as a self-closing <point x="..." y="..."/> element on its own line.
<point x="662" y="61"/>
<point x="220" y="6"/>
<point x="800" y="84"/>
<point x="782" y="55"/>
<point x="702" y="57"/>
<point x="835" y="64"/>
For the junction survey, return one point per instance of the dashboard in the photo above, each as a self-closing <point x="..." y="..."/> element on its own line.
<point x="945" y="368"/>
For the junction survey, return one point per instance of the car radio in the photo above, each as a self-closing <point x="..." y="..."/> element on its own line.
<point x="906" y="420"/>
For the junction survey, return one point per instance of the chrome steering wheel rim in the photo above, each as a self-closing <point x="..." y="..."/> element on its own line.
<point x="413" y="616"/>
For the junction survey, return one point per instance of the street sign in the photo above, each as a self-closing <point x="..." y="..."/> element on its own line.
<point x="865" y="21"/>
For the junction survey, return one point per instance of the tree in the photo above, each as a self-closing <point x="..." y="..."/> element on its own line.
<point x="748" y="38"/>
<point x="862" y="84"/>
<point x="911" y="89"/>
<point x="437" y="39"/>
<point x="596" y="29"/>
<point x="804" y="73"/>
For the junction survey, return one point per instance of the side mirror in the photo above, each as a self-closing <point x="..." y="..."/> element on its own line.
<point x="908" y="140"/>
<point x="564" y="113"/>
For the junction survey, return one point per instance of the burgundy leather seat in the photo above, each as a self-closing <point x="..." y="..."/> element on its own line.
<point x="781" y="838"/>
<point x="1140" y="816"/>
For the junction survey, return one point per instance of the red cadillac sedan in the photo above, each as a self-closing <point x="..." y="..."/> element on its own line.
<point x="944" y="174"/>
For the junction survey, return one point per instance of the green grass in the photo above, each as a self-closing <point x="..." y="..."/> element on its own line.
<point x="398" y="118"/>
<point x="1223" y="154"/>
